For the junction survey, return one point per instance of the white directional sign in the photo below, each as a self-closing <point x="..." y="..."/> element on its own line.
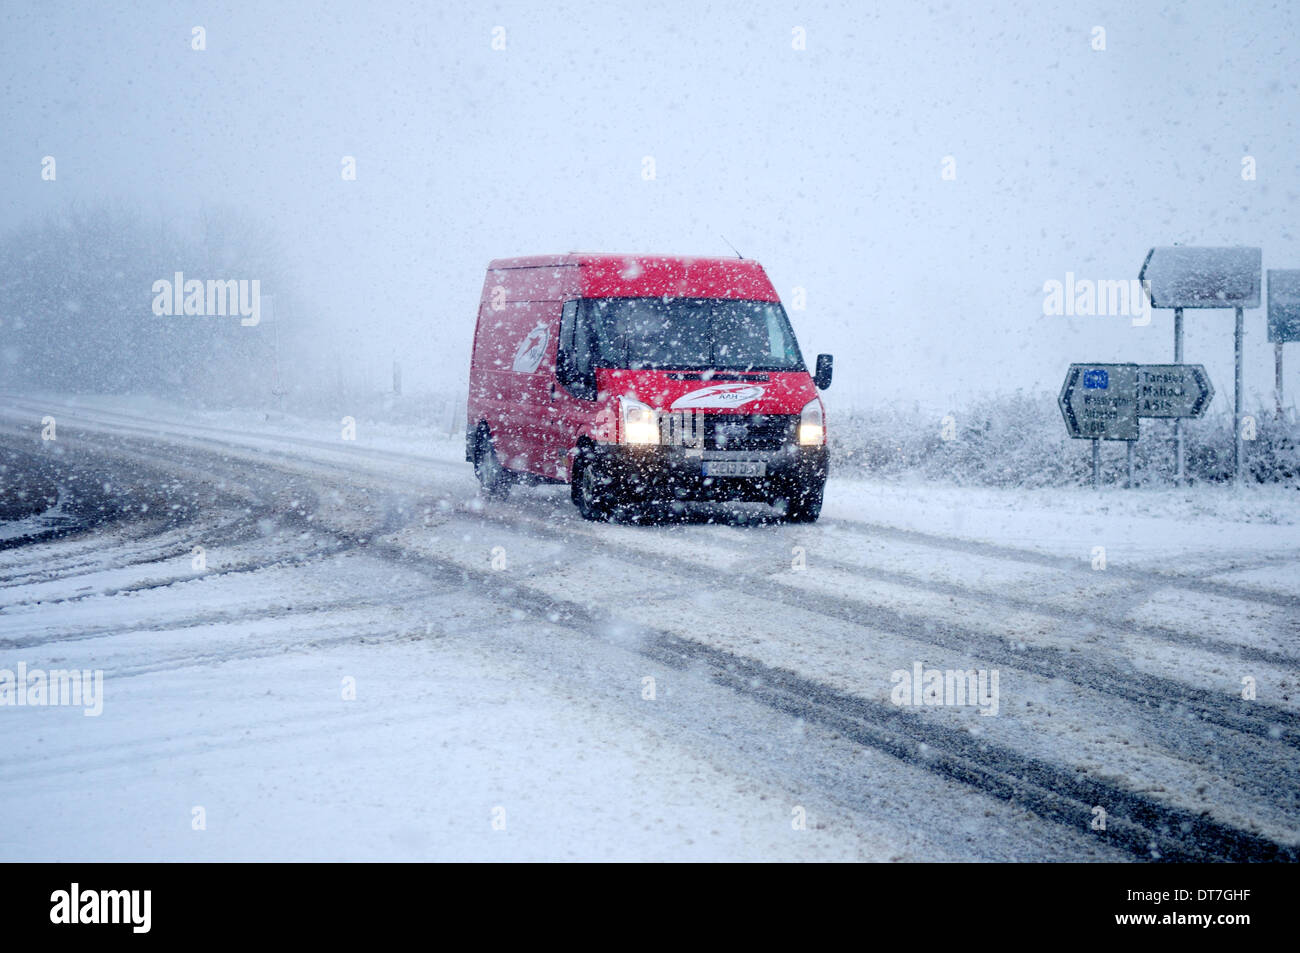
<point x="1173" y="390"/>
<point x="1283" y="305"/>
<point x="1099" y="401"/>
<point x="1190" y="276"/>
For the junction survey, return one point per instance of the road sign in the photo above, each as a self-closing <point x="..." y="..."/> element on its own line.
<point x="1173" y="390"/>
<point x="1186" y="276"/>
<point x="1099" y="401"/>
<point x="1283" y="306"/>
<point x="1189" y="276"/>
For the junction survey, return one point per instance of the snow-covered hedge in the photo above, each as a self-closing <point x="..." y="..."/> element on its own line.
<point x="1019" y="440"/>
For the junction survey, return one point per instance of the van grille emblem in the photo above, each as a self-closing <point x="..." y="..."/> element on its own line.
<point x="724" y="434"/>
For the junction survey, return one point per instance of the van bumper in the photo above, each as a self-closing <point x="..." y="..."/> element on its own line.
<point x="674" y="473"/>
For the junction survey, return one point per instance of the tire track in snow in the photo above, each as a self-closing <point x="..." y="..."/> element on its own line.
<point x="1051" y="663"/>
<point x="1141" y="824"/>
<point x="1144" y="580"/>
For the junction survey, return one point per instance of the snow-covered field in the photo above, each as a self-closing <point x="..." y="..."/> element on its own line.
<point x="528" y="685"/>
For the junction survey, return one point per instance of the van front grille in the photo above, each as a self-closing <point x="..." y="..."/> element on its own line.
<point x="749" y="431"/>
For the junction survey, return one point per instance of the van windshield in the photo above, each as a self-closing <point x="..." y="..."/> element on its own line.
<point x="687" y="334"/>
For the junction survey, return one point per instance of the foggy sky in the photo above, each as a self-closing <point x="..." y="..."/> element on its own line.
<point x="824" y="164"/>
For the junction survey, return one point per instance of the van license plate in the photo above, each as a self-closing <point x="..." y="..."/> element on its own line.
<point x="735" y="468"/>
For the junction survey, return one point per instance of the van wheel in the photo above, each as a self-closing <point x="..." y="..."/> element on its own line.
<point x="493" y="478"/>
<point x="590" y="491"/>
<point x="804" y="504"/>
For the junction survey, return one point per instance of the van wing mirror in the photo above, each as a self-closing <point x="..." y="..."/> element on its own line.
<point x="825" y="367"/>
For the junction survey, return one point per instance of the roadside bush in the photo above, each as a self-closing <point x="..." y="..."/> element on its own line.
<point x="1019" y="440"/>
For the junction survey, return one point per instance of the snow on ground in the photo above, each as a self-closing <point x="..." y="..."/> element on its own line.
<point x="522" y="689"/>
<point x="35" y="525"/>
<point x="436" y="741"/>
<point x="1152" y="527"/>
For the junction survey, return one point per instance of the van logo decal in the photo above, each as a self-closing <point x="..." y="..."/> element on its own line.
<point x="528" y="356"/>
<point x="719" y="395"/>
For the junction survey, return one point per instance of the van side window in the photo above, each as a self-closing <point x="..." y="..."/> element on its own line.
<point x="566" y="325"/>
<point x="575" y="338"/>
<point x="573" y="359"/>
<point x="567" y="322"/>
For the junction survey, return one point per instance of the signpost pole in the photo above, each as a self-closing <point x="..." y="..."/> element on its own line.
<point x="1277" y="376"/>
<point x="1096" y="464"/>
<point x="1283" y="322"/>
<point x="1178" y="422"/>
<point x="1130" y="444"/>
<point x="1238" y="340"/>
<point x="276" y="387"/>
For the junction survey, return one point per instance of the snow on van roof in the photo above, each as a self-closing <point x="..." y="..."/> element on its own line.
<point x="603" y="275"/>
<point x="593" y="258"/>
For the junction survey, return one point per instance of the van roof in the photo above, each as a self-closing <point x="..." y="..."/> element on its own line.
<point x="607" y="258"/>
<point x="614" y="275"/>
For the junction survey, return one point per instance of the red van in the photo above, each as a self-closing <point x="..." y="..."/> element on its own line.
<point x="639" y="379"/>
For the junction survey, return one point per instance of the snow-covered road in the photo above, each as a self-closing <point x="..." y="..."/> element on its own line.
<point x="323" y="648"/>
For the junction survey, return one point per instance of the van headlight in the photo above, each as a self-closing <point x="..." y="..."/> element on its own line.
<point x="812" y="430"/>
<point x="639" y="422"/>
